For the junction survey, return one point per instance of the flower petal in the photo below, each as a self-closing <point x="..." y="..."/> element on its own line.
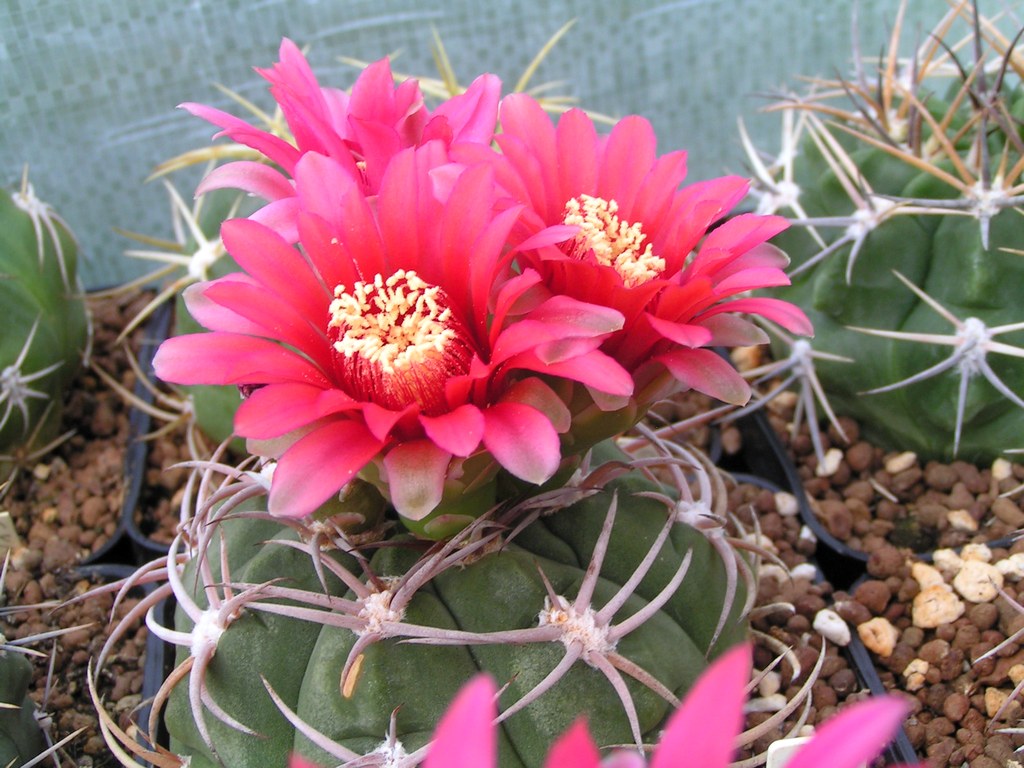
<point x="466" y="736"/>
<point x="703" y="731"/>
<point x="231" y="358"/>
<point x="574" y="749"/>
<point x="277" y="409"/>
<point x="416" y="472"/>
<point x="683" y="334"/>
<point x="854" y="737"/>
<point x="522" y="440"/>
<point x="789" y="316"/>
<point x="459" y="432"/>
<point x="249" y="176"/>
<point x="705" y="371"/>
<point x="318" y="465"/>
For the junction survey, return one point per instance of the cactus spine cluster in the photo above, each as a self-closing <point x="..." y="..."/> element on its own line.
<point x="46" y="324"/>
<point x="906" y="181"/>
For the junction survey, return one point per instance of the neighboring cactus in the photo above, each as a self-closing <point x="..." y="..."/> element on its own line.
<point x="20" y="736"/>
<point x="46" y="324"/>
<point x="906" y="184"/>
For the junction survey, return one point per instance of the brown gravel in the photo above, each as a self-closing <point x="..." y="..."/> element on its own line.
<point x="66" y="509"/>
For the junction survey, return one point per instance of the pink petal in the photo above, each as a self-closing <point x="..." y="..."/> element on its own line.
<point x="629" y="153"/>
<point x="702" y="732"/>
<point x="553" y="235"/>
<point x="560" y="318"/>
<point x="854" y="737"/>
<point x="274" y="148"/>
<point x="458" y="432"/>
<point x="466" y="736"/>
<point x="280" y="216"/>
<point x="536" y="394"/>
<point x="269" y="258"/>
<point x="276" y="318"/>
<point x="574" y="749"/>
<point x="473" y="114"/>
<point x="300" y="762"/>
<point x="249" y="176"/>
<point x="522" y="440"/>
<point x="214" y="317"/>
<point x="231" y="358"/>
<point x="594" y="369"/>
<point x="416" y="472"/>
<point x="705" y="371"/>
<point x="789" y="316"/>
<point x="729" y="330"/>
<point x="318" y="465"/>
<point x="577" y="153"/>
<point x="277" y="409"/>
<point x="680" y="333"/>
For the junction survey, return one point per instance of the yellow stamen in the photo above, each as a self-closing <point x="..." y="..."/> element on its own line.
<point x="614" y="242"/>
<point x="397" y="339"/>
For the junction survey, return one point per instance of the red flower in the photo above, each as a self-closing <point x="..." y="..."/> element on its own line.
<point x="361" y="132"/>
<point x="396" y="343"/>
<point x="606" y="222"/>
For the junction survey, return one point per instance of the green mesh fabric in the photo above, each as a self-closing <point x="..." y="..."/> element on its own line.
<point x="88" y="88"/>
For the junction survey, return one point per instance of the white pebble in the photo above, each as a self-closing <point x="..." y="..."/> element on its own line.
<point x="915" y="674"/>
<point x="879" y="636"/>
<point x="936" y="605"/>
<point x="831" y="460"/>
<point x="786" y="504"/>
<point x="978" y="582"/>
<point x="804" y="571"/>
<point x="947" y="561"/>
<point x="926" y="575"/>
<point x="831" y="626"/>
<point x="773" y="703"/>
<point x="806" y="534"/>
<point x="769" y="684"/>
<point x="962" y="520"/>
<point x="900" y="461"/>
<point x="1012" y="567"/>
<point x="773" y="572"/>
<point x="979" y="552"/>
<point x="1001" y="470"/>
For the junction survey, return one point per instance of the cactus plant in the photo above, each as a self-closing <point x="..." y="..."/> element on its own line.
<point x="47" y="332"/>
<point x="531" y="609"/>
<point x="906" y="184"/>
<point x="436" y="361"/>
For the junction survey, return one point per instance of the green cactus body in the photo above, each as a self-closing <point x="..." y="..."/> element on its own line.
<point x="20" y="736"/>
<point x="46" y="324"/>
<point x="898" y="191"/>
<point x="502" y="590"/>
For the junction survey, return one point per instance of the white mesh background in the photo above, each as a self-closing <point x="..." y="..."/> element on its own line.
<point x="88" y="88"/>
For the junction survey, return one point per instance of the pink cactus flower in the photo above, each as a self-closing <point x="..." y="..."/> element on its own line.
<point x="702" y="733"/>
<point x="361" y="132"/>
<point x="605" y="221"/>
<point x="396" y="341"/>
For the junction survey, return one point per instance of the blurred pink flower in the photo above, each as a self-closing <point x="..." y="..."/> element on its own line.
<point x="361" y="132"/>
<point x="606" y="222"/>
<point x="396" y="340"/>
<point x="702" y="733"/>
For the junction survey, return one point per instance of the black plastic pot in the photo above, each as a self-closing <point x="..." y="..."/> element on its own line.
<point x="144" y="548"/>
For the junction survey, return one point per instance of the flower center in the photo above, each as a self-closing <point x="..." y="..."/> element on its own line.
<point x="397" y="341"/>
<point x="613" y="242"/>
